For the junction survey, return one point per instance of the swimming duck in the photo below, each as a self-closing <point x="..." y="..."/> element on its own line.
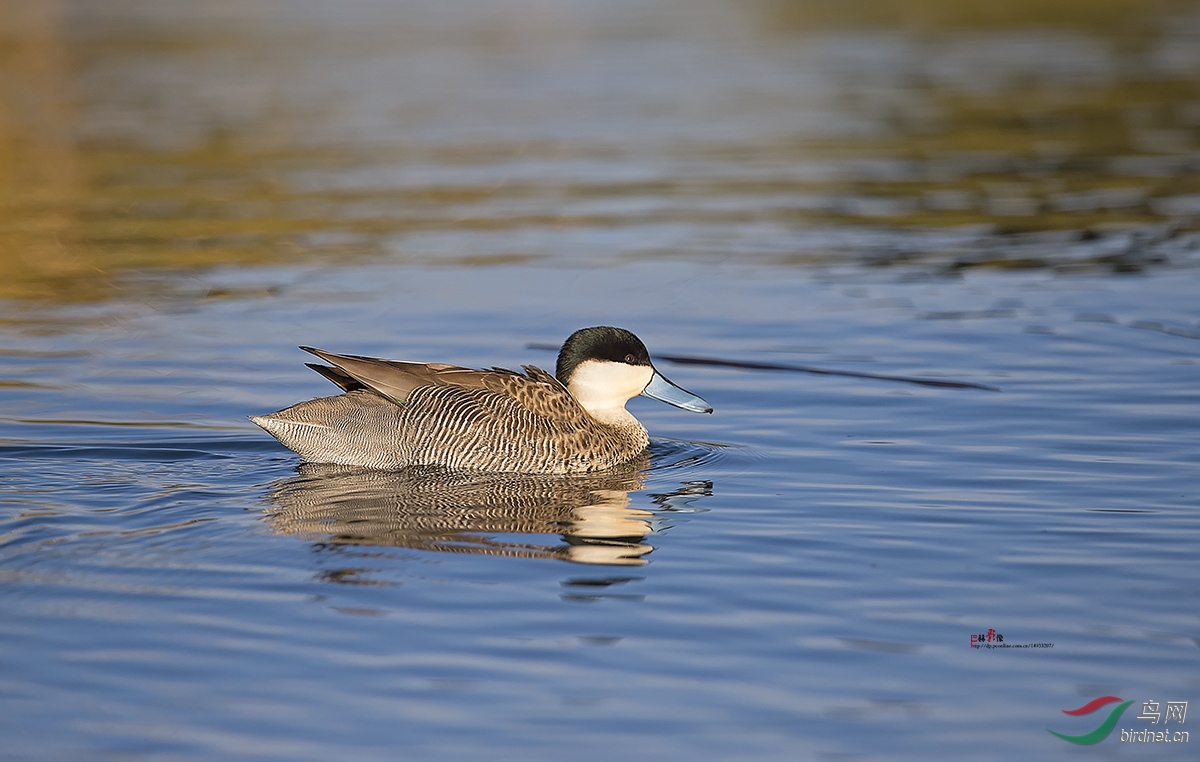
<point x="394" y="415"/>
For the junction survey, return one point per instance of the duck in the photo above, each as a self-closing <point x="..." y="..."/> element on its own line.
<point x="394" y="415"/>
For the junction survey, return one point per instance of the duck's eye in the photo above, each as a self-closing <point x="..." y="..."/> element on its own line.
<point x="630" y="359"/>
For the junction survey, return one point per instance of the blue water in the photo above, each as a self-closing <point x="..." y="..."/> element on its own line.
<point x="798" y="576"/>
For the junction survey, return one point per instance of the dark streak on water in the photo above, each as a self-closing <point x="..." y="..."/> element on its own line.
<point x="745" y="365"/>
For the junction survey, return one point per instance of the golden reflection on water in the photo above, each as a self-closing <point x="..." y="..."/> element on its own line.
<point x="1033" y="158"/>
<point x="1108" y="16"/>
<point x="107" y="178"/>
<point x="40" y="177"/>
<point x="586" y="519"/>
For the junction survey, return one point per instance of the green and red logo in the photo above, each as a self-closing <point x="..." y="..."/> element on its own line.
<point x="1106" y="727"/>
<point x="1175" y="711"/>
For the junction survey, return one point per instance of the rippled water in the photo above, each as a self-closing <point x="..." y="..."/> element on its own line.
<point x="797" y="576"/>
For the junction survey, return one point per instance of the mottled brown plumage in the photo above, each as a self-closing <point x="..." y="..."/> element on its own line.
<point x="395" y="415"/>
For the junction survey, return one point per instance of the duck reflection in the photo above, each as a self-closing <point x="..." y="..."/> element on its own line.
<point x="509" y="515"/>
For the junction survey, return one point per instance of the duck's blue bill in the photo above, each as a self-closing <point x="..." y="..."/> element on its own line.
<point x="663" y="390"/>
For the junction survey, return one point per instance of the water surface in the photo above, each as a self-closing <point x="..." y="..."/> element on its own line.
<point x="915" y="194"/>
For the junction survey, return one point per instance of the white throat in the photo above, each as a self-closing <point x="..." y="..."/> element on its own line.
<point x="603" y="388"/>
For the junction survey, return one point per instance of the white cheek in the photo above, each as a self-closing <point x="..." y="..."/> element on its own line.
<point x="605" y="385"/>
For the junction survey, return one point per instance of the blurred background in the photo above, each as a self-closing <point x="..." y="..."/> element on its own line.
<point x="137" y="135"/>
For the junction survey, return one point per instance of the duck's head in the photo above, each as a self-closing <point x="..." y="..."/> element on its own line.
<point x="603" y="367"/>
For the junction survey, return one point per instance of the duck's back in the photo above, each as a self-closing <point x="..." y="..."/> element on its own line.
<point x="526" y="424"/>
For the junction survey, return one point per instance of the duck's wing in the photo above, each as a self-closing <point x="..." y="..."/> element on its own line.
<point x="392" y="378"/>
<point x="344" y="380"/>
<point x="538" y="390"/>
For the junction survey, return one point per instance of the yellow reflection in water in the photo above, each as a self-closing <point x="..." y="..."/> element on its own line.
<point x="40" y="176"/>
<point x="1110" y="16"/>
<point x="81" y="210"/>
<point x="1035" y="158"/>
